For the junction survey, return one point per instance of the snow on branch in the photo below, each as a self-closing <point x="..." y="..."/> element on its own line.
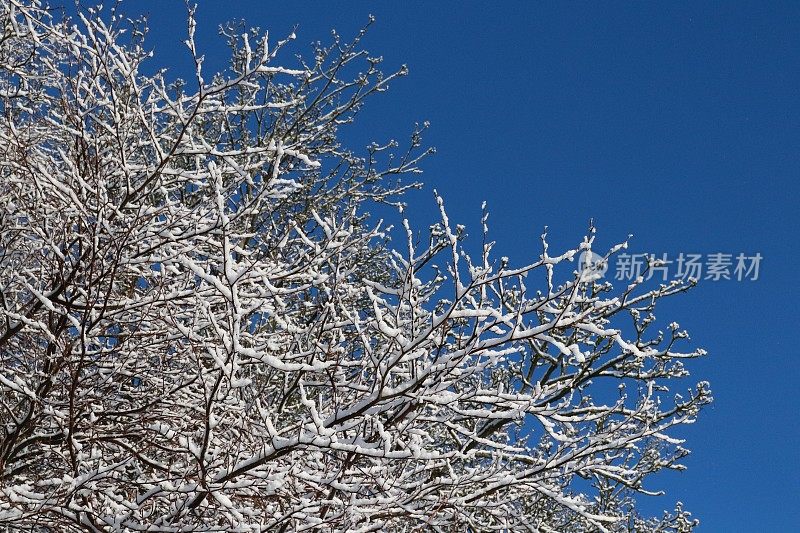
<point x="202" y="329"/>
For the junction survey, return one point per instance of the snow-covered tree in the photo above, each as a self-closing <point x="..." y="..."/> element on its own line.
<point x="202" y="328"/>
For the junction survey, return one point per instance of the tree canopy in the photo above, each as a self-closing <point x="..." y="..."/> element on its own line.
<point x="203" y="329"/>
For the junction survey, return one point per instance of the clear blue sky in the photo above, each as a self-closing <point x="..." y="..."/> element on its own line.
<point x="676" y="122"/>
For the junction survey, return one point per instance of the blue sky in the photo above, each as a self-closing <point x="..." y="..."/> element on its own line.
<point x="677" y="122"/>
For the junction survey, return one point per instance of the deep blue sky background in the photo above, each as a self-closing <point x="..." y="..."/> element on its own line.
<point x="678" y="122"/>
